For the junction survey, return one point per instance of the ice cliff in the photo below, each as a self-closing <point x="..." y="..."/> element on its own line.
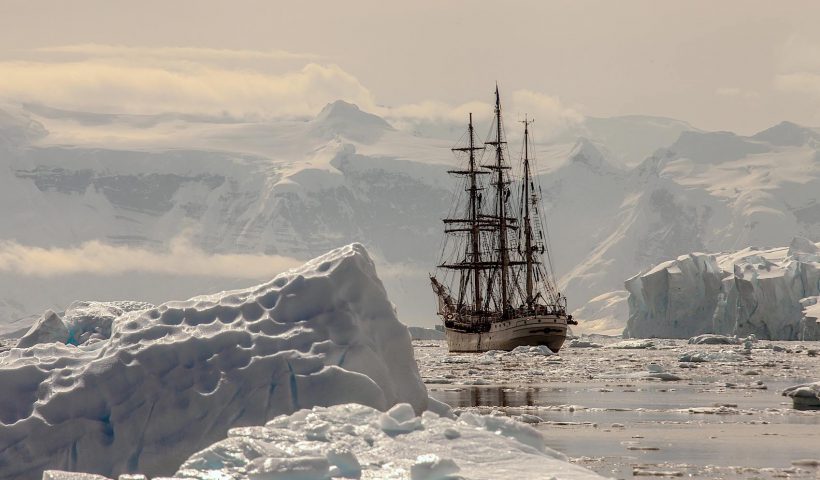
<point x="771" y="293"/>
<point x="117" y="388"/>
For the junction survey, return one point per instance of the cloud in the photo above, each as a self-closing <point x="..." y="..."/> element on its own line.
<point x="96" y="50"/>
<point x="115" y="86"/>
<point x="737" y="93"/>
<point x="98" y="258"/>
<point x="548" y="111"/>
<point x="117" y="79"/>
<point x="553" y="116"/>
<point x="807" y="83"/>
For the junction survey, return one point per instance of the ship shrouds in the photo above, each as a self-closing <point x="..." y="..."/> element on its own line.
<point x="496" y="289"/>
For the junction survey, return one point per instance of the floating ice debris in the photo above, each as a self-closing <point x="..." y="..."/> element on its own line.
<point x="534" y="350"/>
<point x="527" y="418"/>
<point x="60" y="475"/>
<point x="711" y="339"/>
<point x="632" y="344"/>
<point x="584" y="344"/>
<point x="703" y="356"/>
<point x="431" y="467"/>
<point x="719" y="410"/>
<point x="474" y="446"/>
<point x="639" y="472"/>
<point x="807" y="462"/>
<point x="455" y="359"/>
<point x="654" y="368"/>
<point x="654" y="372"/>
<point x="171" y="380"/>
<point x="805" y="396"/>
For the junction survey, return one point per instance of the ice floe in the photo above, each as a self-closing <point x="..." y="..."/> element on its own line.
<point x="805" y="396"/>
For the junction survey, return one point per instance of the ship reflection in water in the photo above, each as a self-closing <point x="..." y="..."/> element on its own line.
<point x="501" y="396"/>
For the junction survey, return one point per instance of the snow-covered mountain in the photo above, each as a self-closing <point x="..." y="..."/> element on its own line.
<point x="296" y="187"/>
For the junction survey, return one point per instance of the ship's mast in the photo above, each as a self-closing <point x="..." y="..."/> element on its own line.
<point x="501" y="211"/>
<point x="472" y="255"/>
<point x="525" y="197"/>
<point x="474" y="232"/>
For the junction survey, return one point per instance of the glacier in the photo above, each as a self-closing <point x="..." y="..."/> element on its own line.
<point x="769" y="293"/>
<point x="111" y="388"/>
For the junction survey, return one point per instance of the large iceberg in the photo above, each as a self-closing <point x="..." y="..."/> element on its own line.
<point x="771" y="293"/>
<point x="119" y="388"/>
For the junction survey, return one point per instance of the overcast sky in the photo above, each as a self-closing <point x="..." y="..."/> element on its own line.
<point x="736" y="65"/>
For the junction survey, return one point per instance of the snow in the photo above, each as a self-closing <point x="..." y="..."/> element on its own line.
<point x="170" y="380"/>
<point x="48" y="329"/>
<point x="767" y="293"/>
<point x="82" y="323"/>
<point x="356" y="441"/>
<point x="341" y="118"/>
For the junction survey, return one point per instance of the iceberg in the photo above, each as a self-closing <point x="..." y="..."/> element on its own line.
<point x="155" y="385"/>
<point x="769" y="293"/>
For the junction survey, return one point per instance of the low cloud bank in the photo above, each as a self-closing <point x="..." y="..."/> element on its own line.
<point x="99" y="258"/>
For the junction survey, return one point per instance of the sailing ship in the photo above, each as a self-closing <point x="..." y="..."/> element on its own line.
<point x="496" y="288"/>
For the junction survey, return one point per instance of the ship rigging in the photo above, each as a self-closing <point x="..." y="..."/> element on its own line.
<point x="495" y="262"/>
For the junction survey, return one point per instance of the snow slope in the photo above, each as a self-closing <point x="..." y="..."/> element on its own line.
<point x="153" y="385"/>
<point x="767" y="293"/>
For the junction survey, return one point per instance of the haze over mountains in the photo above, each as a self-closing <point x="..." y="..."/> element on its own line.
<point x="153" y="207"/>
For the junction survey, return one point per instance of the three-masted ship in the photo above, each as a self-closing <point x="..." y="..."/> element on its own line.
<point x="496" y="288"/>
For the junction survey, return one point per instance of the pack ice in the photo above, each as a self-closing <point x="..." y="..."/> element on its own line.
<point x="771" y="293"/>
<point x="116" y="388"/>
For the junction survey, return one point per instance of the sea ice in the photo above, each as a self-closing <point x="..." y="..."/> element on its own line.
<point x="577" y="343"/>
<point x="356" y="443"/>
<point x="805" y="396"/>
<point x="632" y="344"/>
<point x="712" y="339"/>
<point x="170" y="380"/>
<point x="705" y="356"/>
<point x="532" y="350"/>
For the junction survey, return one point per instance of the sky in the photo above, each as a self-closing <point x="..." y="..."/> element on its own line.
<point x="739" y="65"/>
